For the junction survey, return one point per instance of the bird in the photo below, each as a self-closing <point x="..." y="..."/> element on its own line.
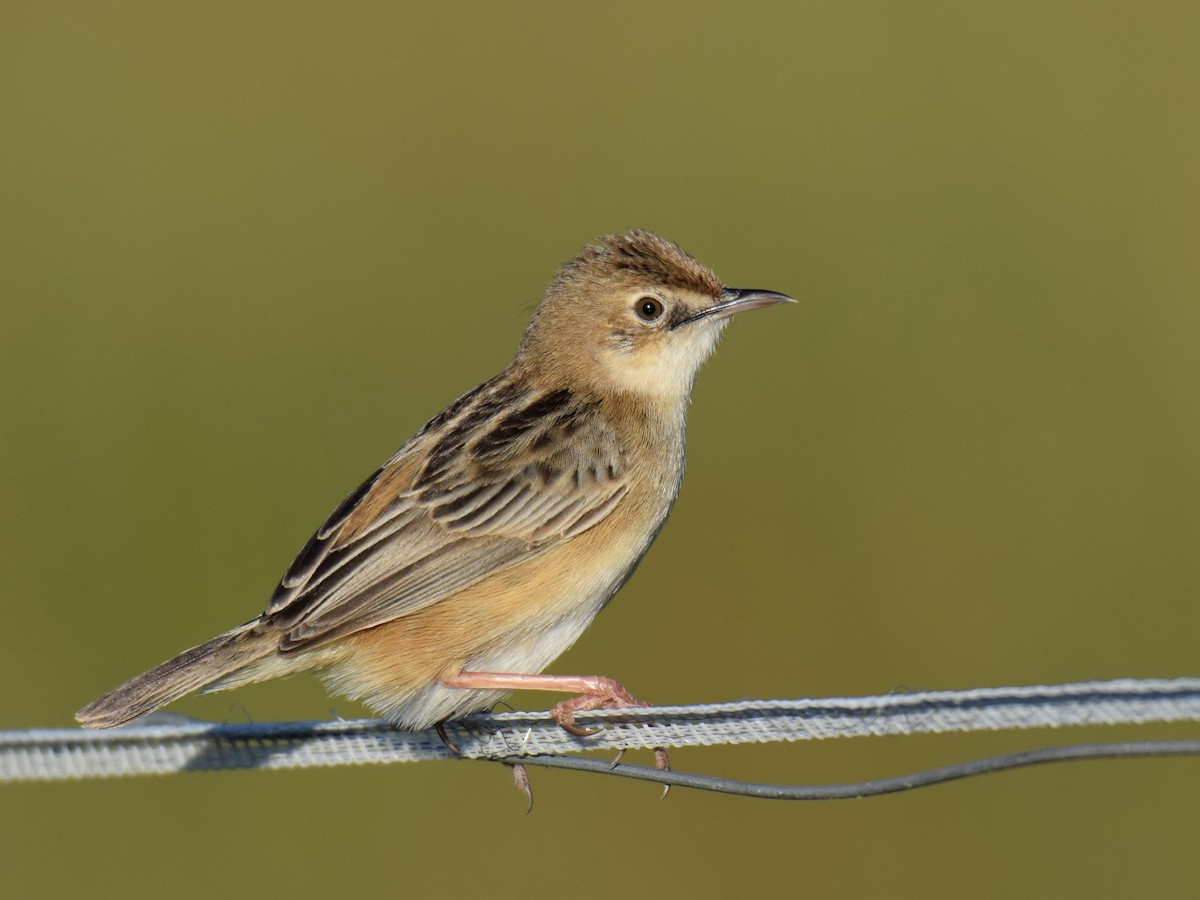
<point x="485" y="546"/>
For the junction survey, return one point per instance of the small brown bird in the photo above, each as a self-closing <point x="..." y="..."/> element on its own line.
<point x="485" y="546"/>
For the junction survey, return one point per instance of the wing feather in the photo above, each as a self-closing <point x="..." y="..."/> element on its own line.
<point x="502" y="475"/>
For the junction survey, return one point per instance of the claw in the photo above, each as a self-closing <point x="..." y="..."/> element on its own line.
<point x="577" y="730"/>
<point x="663" y="764"/>
<point x="521" y="781"/>
<point x="440" y="728"/>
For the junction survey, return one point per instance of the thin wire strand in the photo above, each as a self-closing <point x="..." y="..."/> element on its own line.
<point x="860" y="789"/>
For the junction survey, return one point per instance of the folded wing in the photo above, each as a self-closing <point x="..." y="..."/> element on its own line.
<point x="501" y="476"/>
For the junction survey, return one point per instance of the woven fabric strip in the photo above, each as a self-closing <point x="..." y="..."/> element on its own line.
<point x="167" y="743"/>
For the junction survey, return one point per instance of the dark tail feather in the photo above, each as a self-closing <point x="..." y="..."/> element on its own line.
<point x="189" y="671"/>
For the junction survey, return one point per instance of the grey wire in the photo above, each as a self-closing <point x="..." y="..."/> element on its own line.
<point x="860" y="789"/>
<point x="170" y="744"/>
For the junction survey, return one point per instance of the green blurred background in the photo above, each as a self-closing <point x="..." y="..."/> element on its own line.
<point x="247" y="249"/>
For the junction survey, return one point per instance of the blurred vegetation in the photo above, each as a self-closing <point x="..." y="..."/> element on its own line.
<point x="247" y="249"/>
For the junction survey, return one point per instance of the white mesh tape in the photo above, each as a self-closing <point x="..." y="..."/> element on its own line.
<point x="173" y="744"/>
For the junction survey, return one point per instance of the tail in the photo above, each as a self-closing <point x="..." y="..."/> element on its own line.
<point x="191" y="670"/>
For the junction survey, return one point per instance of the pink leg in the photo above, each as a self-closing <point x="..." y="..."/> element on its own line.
<point x="595" y="692"/>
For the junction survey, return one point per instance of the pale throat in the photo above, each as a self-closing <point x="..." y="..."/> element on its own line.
<point x="663" y="373"/>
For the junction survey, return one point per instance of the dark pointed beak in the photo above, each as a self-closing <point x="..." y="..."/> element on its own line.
<point x="736" y="300"/>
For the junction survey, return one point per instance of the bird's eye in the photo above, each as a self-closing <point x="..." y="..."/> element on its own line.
<point x="649" y="308"/>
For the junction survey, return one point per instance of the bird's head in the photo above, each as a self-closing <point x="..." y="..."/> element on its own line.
<point x="633" y="313"/>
